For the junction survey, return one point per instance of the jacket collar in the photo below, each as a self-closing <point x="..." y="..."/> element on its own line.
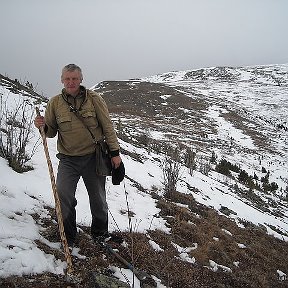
<point x="71" y="100"/>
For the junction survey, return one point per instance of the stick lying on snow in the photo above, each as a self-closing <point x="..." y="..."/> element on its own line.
<point x="142" y="276"/>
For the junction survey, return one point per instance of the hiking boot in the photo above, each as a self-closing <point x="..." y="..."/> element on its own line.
<point x="70" y="246"/>
<point x="70" y="243"/>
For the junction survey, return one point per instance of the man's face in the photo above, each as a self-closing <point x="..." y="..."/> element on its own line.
<point x="71" y="81"/>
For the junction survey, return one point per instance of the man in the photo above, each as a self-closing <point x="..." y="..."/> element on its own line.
<point x="76" y="147"/>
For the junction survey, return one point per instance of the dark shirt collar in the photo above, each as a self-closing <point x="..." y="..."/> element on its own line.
<point x="71" y="100"/>
<point x="82" y="93"/>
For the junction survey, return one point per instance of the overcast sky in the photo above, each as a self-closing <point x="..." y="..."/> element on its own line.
<point x="124" y="39"/>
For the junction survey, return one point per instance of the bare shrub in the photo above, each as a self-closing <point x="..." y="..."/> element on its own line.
<point x="15" y="133"/>
<point x="171" y="173"/>
<point x="190" y="160"/>
<point x="204" y="165"/>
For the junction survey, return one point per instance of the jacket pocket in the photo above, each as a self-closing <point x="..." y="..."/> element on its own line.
<point x="64" y="122"/>
<point x="90" y="118"/>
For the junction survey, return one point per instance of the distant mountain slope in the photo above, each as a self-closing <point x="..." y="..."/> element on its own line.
<point x="251" y="100"/>
<point x="17" y="87"/>
<point x="237" y="114"/>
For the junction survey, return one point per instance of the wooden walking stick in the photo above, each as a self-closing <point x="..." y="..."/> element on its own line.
<point x="57" y="201"/>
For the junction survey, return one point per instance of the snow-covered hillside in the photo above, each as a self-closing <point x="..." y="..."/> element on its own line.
<point x="239" y="114"/>
<point x="248" y="108"/>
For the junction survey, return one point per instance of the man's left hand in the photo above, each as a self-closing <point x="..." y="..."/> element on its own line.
<point x="116" y="161"/>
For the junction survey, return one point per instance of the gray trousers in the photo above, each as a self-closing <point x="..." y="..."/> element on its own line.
<point x="70" y="169"/>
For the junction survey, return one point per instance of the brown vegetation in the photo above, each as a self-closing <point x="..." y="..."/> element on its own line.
<point x="251" y="254"/>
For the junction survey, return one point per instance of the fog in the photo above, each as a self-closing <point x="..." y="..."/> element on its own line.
<point x="119" y="40"/>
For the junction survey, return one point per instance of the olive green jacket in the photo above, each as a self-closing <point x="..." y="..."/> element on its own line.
<point x="74" y="138"/>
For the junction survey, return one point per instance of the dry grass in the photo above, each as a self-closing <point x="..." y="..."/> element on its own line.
<point x="218" y="238"/>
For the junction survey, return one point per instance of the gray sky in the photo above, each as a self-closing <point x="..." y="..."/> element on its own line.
<point x="123" y="39"/>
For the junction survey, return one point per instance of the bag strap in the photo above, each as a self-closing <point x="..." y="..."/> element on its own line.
<point x="76" y="112"/>
<point x="79" y="116"/>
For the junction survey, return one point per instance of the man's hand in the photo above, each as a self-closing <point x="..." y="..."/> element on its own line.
<point x="39" y="121"/>
<point x="116" y="161"/>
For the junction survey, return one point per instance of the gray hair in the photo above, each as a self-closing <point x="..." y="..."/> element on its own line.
<point x="71" y="68"/>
